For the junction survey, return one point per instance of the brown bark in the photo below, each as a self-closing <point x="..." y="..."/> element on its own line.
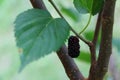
<point x="106" y="38"/>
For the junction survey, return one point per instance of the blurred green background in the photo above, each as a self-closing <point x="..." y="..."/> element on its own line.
<point x="49" y="67"/>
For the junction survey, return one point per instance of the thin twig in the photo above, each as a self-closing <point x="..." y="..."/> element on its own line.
<point x="97" y="29"/>
<point x="84" y="40"/>
<point x="56" y="8"/>
<point x="93" y="48"/>
<point x="93" y="62"/>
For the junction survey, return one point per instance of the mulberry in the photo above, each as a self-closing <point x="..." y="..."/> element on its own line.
<point x="73" y="46"/>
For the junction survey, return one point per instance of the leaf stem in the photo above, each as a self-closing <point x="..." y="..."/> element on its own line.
<point x="86" y="24"/>
<point x="84" y="40"/>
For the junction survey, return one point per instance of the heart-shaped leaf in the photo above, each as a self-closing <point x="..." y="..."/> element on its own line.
<point x="38" y="34"/>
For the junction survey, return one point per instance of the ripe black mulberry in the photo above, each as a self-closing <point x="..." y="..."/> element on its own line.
<point x="73" y="46"/>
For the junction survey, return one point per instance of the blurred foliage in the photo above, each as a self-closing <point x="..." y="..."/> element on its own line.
<point x="89" y="35"/>
<point x="116" y="42"/>
<point x="1" y="1"/>
<point x="70" y="13"/>
<point x="84" y="56"/>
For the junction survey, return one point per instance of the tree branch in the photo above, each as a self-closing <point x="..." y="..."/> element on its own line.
<point x="69" y="65"/>
<point x="38" y="4"/>
<point x="93" y="61"/>
<point x="106" y="39"/>
<point x="98" y="69"/>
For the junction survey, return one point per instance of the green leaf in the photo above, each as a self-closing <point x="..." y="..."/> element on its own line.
<point x="84" y="56"/>
<point x="88" y="6"/>
<point x="38" y="34"/>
